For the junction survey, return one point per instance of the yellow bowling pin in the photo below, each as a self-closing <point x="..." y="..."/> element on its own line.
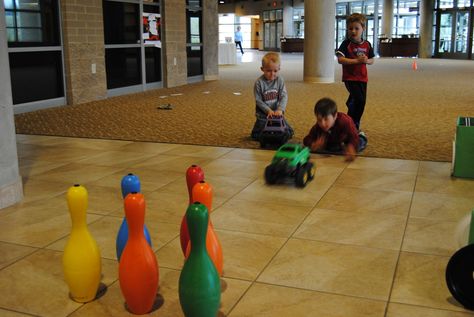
<point x="81" y="259"/>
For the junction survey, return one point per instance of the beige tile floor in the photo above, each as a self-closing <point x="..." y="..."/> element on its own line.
<point x="369" y="238"/>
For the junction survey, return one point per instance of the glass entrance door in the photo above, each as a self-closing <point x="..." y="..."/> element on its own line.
<point x="132" y="36"/>
<point x="272" y="29"/>
<point x="270" y="37"/>
<point x="461" y="35"/>
<point x="194" y="40"/>
<point x="452" y="34"/>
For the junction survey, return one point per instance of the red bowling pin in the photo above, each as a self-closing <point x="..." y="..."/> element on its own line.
<point x="194" y="174"/>
<point x="203" y="193"/>
<point x="138" y="267"/>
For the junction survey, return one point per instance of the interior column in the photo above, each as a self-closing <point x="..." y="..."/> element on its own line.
<point x="387" y="18"/>
<point x="11" y="190"/>
<point x="319" y="41"/>
<point x="425" y="45"/>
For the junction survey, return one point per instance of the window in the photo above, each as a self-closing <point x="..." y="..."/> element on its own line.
<point x="226" y="27"/>
<point x="266" y="16"/>
<point x="194" y="30"/>
<point x="34" y="45"/>
<point x="123" y="67"/>
<point x="121" y="23"/>
<point x="356" y="7"/>
<point x="153" y="64"/>
<point x="464" y="3"/>
<point x="193" y="3"/>
<point x="298" y="22"/>
<point x="32" y="23"/>
<point x="406" y="22"/>
<point x="194" y="60"/>
<point x="36" y="76"/>
<point x="446" y="4"/>
<point x="341" y="8"/>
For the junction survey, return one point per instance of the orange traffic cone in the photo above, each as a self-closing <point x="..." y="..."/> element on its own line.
<point x="413" y="65"/>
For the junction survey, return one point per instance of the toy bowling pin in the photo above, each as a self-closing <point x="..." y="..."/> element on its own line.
<point x="194" y="174"/>
<point x="130" y="183"/>
<point x="203" y="193"/>
<point x="199" y="283"/>
<point x="81" y="259"/>
<point x="138" y="267"/>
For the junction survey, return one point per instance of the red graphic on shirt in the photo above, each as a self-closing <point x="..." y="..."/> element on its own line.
<point x="270" y="95"/>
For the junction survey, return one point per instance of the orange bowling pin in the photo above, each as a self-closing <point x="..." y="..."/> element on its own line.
<point x="203" y="193"/>
<point x="138" y="267"/>
<point x="81" y="259"/>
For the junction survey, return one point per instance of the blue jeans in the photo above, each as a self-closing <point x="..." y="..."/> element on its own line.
<point x="339" y="148"/>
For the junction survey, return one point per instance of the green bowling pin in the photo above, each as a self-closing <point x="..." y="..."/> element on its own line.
<point x="199" y="283"/>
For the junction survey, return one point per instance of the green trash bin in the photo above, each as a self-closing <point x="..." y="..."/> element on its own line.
<point x="463" y="148"/>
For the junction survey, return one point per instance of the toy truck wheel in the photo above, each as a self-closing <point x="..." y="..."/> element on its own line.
<point x="262" y="141"/>
<point x="311" y="170"/>
<point x="271" y="176"/>
<point x="284" y="140"/>
<point x="301" y="177"/>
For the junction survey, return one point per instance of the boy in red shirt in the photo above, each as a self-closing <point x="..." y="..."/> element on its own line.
<point x="334" y="131"/>
<point x="354" y="54"/>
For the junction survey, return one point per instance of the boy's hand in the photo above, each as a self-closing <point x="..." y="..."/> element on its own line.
<point x="318" y="143"/>
<point x="362" y="59"/>
<point x="350" y="153"/>
<point x="277" y="113"/>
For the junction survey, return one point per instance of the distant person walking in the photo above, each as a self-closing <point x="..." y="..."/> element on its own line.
<point x="238" y="39"/>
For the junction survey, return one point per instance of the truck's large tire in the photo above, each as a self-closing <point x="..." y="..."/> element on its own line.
<point x="311" y="170"/>
<point x="301" y="177"/>
<point x="271" y="176"/>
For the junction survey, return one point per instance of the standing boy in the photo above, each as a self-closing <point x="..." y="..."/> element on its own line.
<point x="354" y="54"/>
<point x="270" y="94"/>
<point x="334" y="131"/>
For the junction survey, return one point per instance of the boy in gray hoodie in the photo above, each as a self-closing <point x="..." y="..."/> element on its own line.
<point x="270" y="93"/>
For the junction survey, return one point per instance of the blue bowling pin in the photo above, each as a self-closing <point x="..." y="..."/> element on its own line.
<point x="130" y="183"/>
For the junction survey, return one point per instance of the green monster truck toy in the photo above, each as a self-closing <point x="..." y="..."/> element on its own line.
<point x="291" y="160"/>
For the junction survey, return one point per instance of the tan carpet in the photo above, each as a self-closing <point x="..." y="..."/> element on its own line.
<point x="409" y="114"/>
